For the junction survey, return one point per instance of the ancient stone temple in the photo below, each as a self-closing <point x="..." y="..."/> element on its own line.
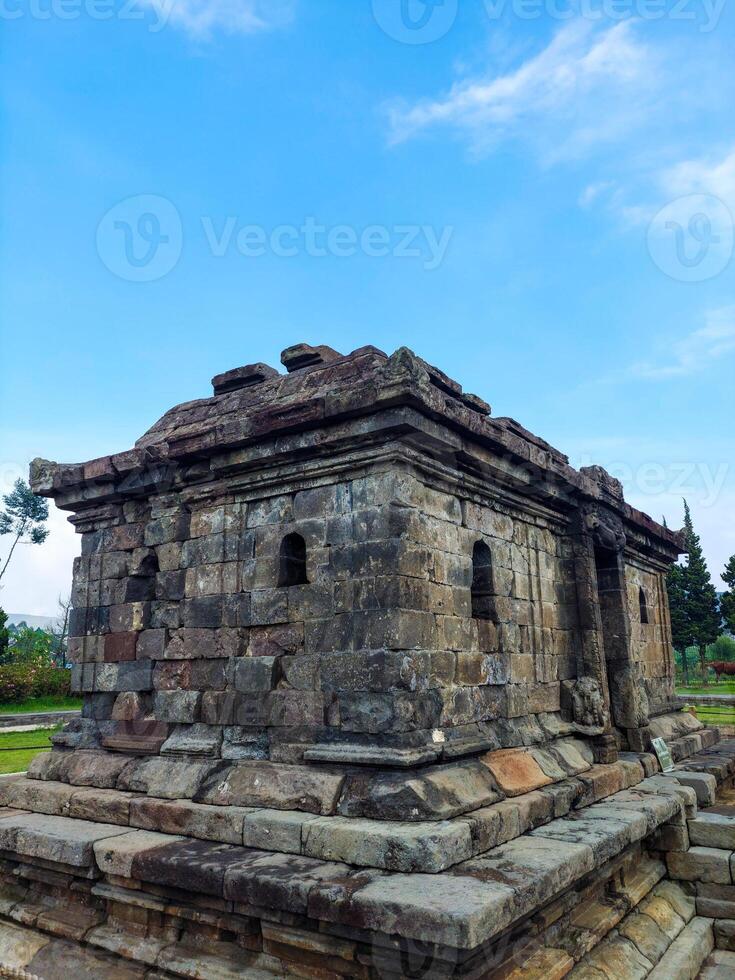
<point x="370" y="681"/>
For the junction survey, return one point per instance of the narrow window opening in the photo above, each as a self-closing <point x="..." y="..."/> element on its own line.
<point x="643" y="604"/>
<point x="483" y="591"/>
<point x="292" y="567"/>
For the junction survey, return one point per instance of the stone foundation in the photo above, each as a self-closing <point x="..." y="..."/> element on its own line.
<point x="544" y="895"/>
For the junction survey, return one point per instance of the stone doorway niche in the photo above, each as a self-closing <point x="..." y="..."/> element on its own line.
<point x="626" y="696"/>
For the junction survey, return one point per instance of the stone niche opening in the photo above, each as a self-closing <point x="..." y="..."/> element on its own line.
<point x="643" y="606"/>
<point x="483" y="589"/>
<point x="292" y="561"/>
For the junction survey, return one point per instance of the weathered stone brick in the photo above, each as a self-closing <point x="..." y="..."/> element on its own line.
<point x="179" y="707"/>
<point x="170" y="584"/>
<point x="129" y="616"/>
<point x="256" y="674"/>
<point x="120" y="646"/>
<point x="166" y="529"/>
<point x="136" y="675"/>
<point x="125" y="537"/>
<point x="269" y="607"/>
<point x="203" y="612"/>
<point x="138" y="589"/>
<point x="272" y="641"/>
<point x="218" y="707"/>
<point x="152" y="643"/>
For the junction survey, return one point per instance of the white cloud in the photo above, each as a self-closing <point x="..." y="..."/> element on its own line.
<point x="713" y="176"/>
<point x="696" y="351"/>
<point x="593" y="192"/>
<point x="707" y="176"/>
<point x="588" y="86"/>
<point x="202" y="18"/>
<point x="684" y="188"/>
<point x="39" y="573"/>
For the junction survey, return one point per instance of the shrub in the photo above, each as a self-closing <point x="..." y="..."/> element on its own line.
<point x="21" y="681"/>
<point x="722" y="649"/>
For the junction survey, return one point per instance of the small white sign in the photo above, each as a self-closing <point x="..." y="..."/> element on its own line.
<point x="664" y="755"/>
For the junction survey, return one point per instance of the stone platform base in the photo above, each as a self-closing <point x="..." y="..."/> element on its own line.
<point x="565" y="893"/>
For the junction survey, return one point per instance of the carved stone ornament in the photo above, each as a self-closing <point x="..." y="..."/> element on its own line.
<point x="588" y="704"/>
<point x="606" y="528"/>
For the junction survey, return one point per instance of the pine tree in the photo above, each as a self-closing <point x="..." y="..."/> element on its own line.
<point x="704" y="622"/>
<point x="727" y="602"/>
<point x="680" y="631"/>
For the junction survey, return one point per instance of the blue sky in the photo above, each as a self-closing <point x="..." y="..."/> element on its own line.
<point x="533" y="195"/>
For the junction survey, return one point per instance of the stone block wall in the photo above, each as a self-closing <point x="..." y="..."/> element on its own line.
<point x="180" y="606"/>
<point x="179" y="617"/>
<point x="651" y="632"/>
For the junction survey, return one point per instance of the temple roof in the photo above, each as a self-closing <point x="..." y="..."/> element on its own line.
<point x="319" y="388"/>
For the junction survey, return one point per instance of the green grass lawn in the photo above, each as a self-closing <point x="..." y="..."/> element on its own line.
<point x="727" y="687"/>
<point x="715" y="716"/>
<point x="18" y="749"/>
<point x="41" y="704"/>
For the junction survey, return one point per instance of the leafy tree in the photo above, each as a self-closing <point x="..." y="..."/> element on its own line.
<point x="727" y="602"/>
<point x="31" y="646"/>
<point x="702" y="604"/>
<point x="4" y="635"/>
<point x="24" y="518"/>
<point x="722" y="649"/>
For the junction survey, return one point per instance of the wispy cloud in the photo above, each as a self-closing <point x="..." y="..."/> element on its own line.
<point x="704" y="176"/>
<point x="203" y="18"/>
<point x="594" y="192"/>
<point x="696" y="351"/>
<point x="712" y="175"/>
<point x="587" y="86"/>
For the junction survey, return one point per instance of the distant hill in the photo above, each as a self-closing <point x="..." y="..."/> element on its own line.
<point x="37" y="622"/>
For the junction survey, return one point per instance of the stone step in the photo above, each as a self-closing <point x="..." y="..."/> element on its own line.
<point x="717" y="761"/>
<point x="713" y="830"/>
<point x="715" y="901"/>
<point x="704" y="785"/>
<point x="642" y="939"/>
<point x="725" y="934"/>
<point x="705" y="864"/>
<point x="54" y="959"/>
<point x="462" y="908"/>
<point x="684" y="958"/>
<point x="719" y="966"/>
<point x="429" y="846"/>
